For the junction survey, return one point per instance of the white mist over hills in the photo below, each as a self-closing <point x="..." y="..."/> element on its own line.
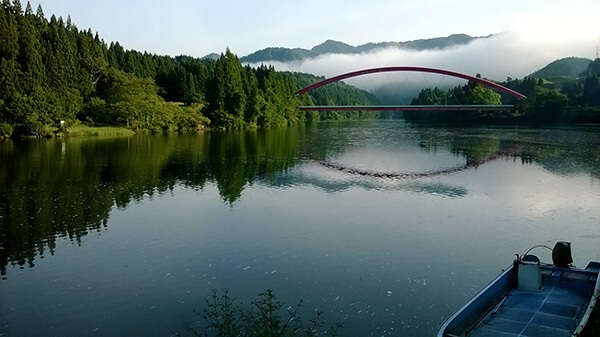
<point x="515" y="53"/>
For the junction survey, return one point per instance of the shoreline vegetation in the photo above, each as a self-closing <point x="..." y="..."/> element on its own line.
<point x="564" y="100"/>
<point x="53" y="74"/>
<point x="59" y="81"/>
<point x="94" y="131"/>
<point x="266" y="316"/>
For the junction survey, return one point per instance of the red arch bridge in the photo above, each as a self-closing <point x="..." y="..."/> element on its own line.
<point x="479" y="80"/>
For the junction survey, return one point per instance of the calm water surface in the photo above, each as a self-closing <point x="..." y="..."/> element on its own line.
<point x="387" y="227"/>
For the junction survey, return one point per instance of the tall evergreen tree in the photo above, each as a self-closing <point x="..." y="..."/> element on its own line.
<point x="254" y="101"/>
<point x="591" y="90"/>
<point x="227" y="99"/>
<point x="29" y="54"/>
<point x="39" y="14"/>
<point x="51" y="71"/>
<point x="16" y="7"/>
<point x="9" y="43"/>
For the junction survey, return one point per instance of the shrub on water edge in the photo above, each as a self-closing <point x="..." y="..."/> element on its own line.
<point x="265" y="317"/>
<point x="6" y="130"/>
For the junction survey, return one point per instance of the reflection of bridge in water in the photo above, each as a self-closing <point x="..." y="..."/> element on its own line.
<point x="422" y="174"/>
<point x="460" y="107"/>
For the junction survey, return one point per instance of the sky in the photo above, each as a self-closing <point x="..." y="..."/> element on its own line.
<point x="536" y="31"/>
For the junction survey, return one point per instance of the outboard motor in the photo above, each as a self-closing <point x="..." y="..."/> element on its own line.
<point x="529" y="274"/>
<point x="561" y="254"/>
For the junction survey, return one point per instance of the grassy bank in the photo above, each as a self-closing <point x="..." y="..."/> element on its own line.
<point x="83" y="130"/>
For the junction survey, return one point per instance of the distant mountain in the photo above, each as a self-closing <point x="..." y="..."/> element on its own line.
<point x="565" y="67"/>
<point x="424" y="44"/>
<point x="278" y="54"/>
<point x="336" y="47"/>
<point x="333" y="47"/>
<point x="211" y="56"/>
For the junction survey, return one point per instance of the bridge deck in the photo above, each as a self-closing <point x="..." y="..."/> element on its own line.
<point x="408" y="108"/>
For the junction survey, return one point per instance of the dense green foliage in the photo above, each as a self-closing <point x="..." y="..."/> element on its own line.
<point x="470" y="94"/>
<point x="575" y="99"/>
<point x="337" y="93"/>
<point x="565" y="67"/>
<point x="557" y="99"/>
<point x="50" y="71"/>
<point x="242" y="96"/>
<point x="593" y="68"/>
<point x="53" y="73"/>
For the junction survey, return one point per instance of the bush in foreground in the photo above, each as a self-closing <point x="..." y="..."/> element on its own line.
<point x="265" y="317"/>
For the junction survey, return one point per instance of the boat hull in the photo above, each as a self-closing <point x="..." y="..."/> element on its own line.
<point x="561" y="308"/>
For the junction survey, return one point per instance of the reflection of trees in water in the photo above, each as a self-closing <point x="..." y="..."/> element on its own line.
<point x="237" y="158"/>
<point x="563" y="150"/>
<point x="56" y="188"/>
<point x="66" y="188"/>
<point x="476" y="149"/>
<point x="474" y="145"/>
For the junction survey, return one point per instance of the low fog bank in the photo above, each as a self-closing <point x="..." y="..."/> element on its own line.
<point x="509" y="54"/>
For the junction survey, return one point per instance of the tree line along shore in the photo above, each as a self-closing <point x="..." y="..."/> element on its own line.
<point x="54" y="76"/>
<point x="56" y="79"/>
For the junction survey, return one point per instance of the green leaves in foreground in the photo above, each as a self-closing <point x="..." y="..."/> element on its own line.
<point x="265" y="317"/>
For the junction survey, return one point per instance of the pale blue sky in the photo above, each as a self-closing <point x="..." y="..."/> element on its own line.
<point x="198" y="27"/>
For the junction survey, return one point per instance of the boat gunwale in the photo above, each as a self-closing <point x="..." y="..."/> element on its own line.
<point x="444" y="327"/>
<point x="591" y="304"/>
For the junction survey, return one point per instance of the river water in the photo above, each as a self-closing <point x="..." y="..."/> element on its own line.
<point x="385" y="226"/>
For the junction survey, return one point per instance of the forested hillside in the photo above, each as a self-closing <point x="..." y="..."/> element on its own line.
<point x="52" y="73"/>
<point x="575" y="99"/>
<point x="565" y="67"/>
<point x="337" y="93"/>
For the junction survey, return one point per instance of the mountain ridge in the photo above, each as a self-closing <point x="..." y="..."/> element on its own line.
<point x="283" y="54"/>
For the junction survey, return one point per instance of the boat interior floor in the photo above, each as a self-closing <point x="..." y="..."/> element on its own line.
<point x="554" y="311"/>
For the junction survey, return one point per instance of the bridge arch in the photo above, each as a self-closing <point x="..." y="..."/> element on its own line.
<point x="410" y="69"/>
